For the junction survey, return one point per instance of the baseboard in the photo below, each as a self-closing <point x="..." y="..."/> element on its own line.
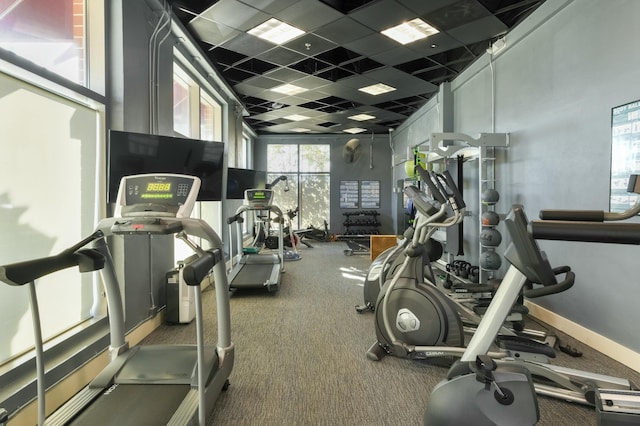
<point x="590" y="338"/>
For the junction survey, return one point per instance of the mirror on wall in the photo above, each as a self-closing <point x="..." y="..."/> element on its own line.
<point x="625" y="153"/>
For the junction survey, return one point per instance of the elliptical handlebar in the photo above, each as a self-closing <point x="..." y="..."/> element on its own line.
<point x="455" y="191"/>
<point x="435" y="192"/>
<point x="545" y="290"/>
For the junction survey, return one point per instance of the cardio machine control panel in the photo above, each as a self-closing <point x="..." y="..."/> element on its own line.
<point x="149" y="203"/>
<point x="258" y="198"/>
<point x="157" y="194"/>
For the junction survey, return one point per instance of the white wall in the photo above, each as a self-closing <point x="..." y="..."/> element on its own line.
<point x="563" y="70"/>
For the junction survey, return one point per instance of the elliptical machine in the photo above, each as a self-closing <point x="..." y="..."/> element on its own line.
<point x="502" y="392"/>
<point x="414" y="318"/>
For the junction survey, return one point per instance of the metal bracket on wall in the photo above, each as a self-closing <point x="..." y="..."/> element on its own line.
<point x="447" y="144"/>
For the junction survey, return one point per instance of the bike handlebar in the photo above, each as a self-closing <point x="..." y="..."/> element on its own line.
<point x="614" y="233"/>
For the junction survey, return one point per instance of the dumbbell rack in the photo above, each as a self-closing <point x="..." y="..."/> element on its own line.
<point x="356" y="220"/>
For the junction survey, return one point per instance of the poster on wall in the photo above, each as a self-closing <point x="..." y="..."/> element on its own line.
<point x="625" y="154"/>
<point x="370" y="194"/>
<point x="349" y="194"/>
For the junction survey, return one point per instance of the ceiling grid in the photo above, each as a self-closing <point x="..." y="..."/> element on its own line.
<point x="341" y="51"/>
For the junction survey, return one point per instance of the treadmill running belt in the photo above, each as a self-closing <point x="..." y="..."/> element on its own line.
<point x="138" y="405"/>
<point x="254" y="275"/>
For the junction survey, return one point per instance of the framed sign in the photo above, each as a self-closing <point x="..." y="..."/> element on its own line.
<point x="625" y="154"/>
<point x="370" y="194"/>
<point x="349" y="194"/>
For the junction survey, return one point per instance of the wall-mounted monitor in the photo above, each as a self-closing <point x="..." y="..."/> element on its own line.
<point x="135" y="153"/>
<point x="239" y="180"/>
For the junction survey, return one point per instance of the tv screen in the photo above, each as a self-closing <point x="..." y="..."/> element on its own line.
<point x="238" y="180"/>
<point x="137" y="153"/>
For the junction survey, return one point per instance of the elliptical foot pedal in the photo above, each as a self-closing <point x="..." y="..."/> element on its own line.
<point x="524" y="344"/>
<point x="570" y="350"/>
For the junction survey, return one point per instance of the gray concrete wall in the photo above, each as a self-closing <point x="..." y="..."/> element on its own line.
<point x="552" y="88"/>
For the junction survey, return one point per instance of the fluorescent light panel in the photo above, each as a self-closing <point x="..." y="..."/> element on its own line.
<point x="362" y="117"/>
<point x="296" y="117"/>
<point x="377" y="89"/>
<point x="275" y="31"/>
<point x="289" y="89"/>
<point x="411" y="31"/>
<point x="355" y="130"/>
<point x="300" y="130"/>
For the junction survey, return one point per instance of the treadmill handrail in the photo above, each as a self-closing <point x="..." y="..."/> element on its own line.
<point x="21" y="273"/>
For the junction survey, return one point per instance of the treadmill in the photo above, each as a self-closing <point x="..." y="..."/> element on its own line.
<point x="256" y="270"/>
<point x="154" y="384"/>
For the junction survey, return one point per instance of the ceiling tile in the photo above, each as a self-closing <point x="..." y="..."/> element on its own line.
<point x="396" y="55"/>
<point x="247" y="44"/>
<point x="371" y="44"/>
<point x="212" y="32"/>
<point x="456" y="14"/>
<point x="281" y="56"/>
<point x="263" y="82"/>
<point x="235" y="14"/>
<point x="343" y="30"/>
<point x="383" y="14"/>
<point x="285" y="74"/>
<point x="269" y="6"/>
<point x="310" y="44"/>
<point x="481" y="29"/>
<point x="309" y="14"/>
<point x="423" y="6"/>
<point x="433" y="44"/>
<point x="311" y="83"/>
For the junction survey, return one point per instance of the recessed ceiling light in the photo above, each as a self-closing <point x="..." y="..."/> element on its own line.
<point x="362" y="117"/>
<point x="300" y="130"/>
<point x="408" y="32"/>
<point x="289" y="89"/>
<point x="355" y="130"/>
<point x="377" y="89"/>
<point x="296" y="117"/>
<point x="275" y="31"/>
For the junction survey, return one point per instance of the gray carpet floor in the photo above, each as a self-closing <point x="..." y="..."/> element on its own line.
<point x="300" y="355"/>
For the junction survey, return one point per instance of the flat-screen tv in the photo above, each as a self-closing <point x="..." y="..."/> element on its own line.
<point x="239" y="180"/>
<point x="135" y="153"/>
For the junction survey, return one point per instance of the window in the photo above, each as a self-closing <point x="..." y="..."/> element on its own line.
<point x="44" y="212"/>
<point x="307" y="169"/>
<point x="181" y="110"/>
<point x="195" y="112"/>
<point x="57" y="35"/>
<point x="196" y="115"/>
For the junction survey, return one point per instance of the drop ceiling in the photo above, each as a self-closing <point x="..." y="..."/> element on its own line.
<point x="340" y="52"/>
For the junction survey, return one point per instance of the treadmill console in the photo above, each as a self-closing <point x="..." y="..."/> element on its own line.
<point x="157" y="195"/>
<point x="258" y="198"/>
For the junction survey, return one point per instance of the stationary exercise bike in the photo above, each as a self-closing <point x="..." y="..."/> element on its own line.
<point x="502" y="392"/>
<point x="414" y="318"/>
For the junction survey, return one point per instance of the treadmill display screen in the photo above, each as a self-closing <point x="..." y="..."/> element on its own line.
<point x="165" y="190"/>
<point x="259" y="197"/>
